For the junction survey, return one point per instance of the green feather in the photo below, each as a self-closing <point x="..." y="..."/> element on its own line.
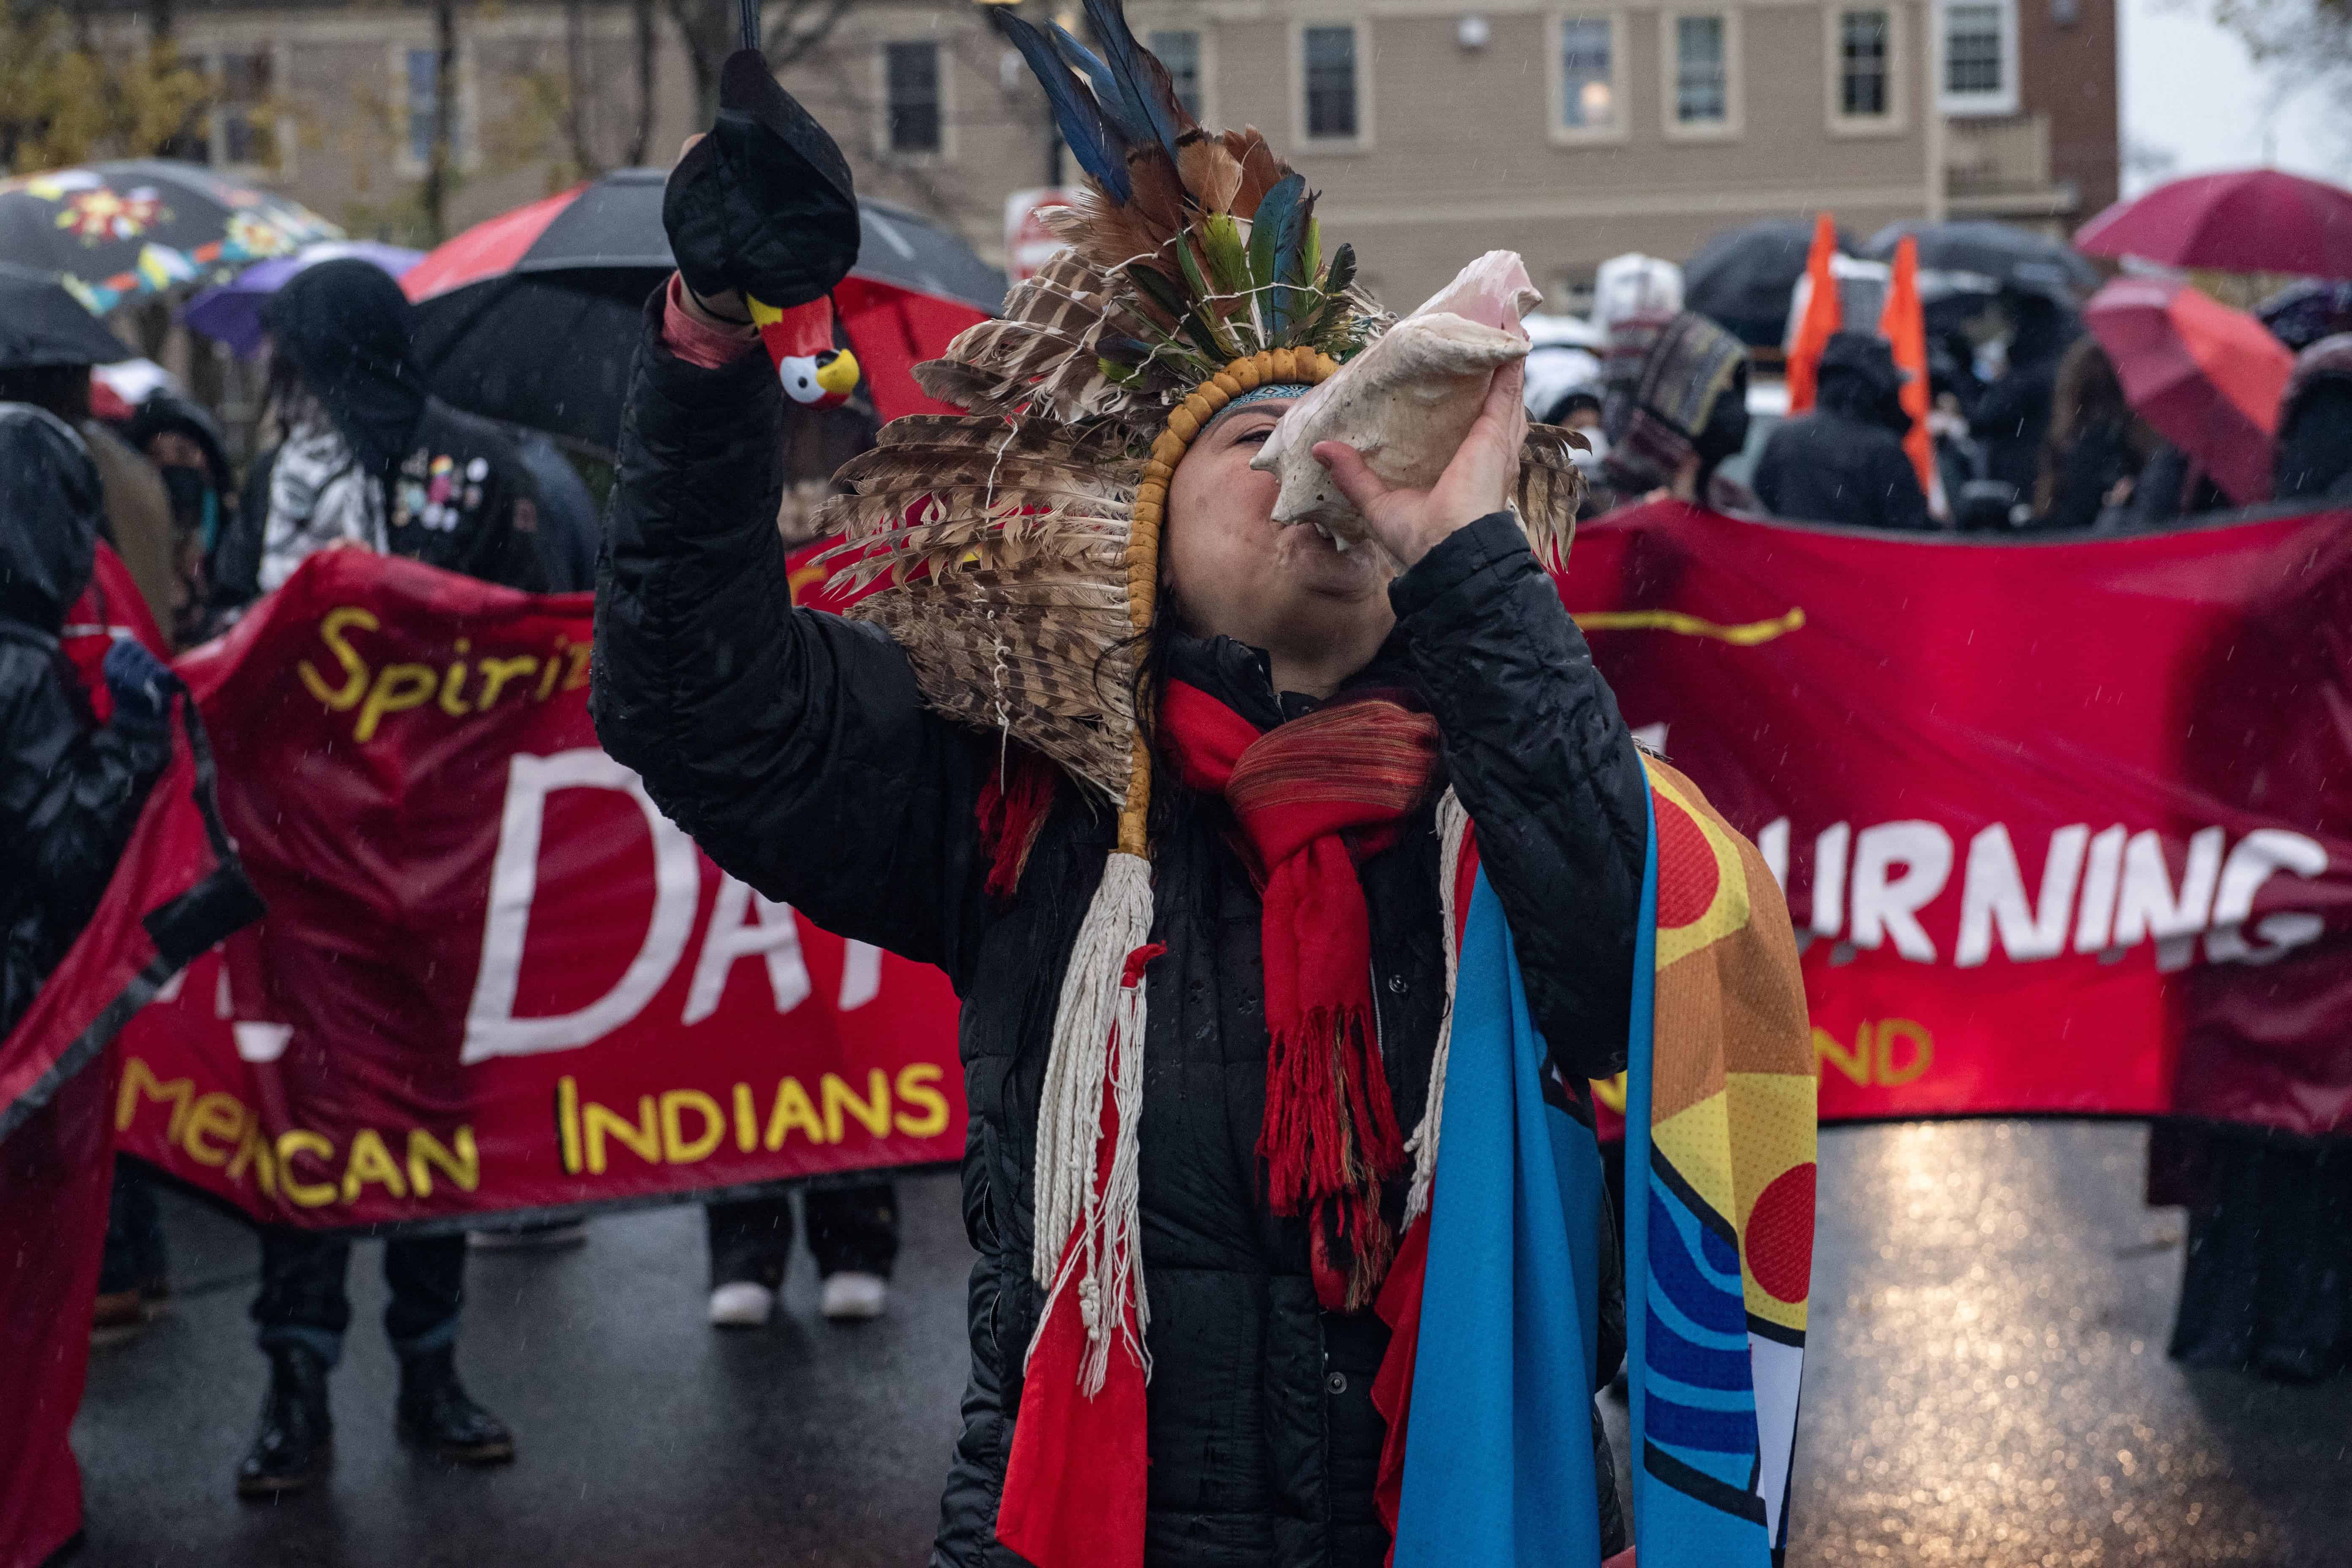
<point x="1221" y="237"/>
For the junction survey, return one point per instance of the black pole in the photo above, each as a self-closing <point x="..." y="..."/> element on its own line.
<point x="749" y="11"/>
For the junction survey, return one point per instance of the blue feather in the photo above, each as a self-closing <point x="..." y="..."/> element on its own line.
<point x="1143" y="81"/>
<point x="1096" y="141"/>
<point x="1122" y="111"/>
<point x="1278" y="245"/>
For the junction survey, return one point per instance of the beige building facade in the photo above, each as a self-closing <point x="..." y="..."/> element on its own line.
<point x="1435" y="128"/>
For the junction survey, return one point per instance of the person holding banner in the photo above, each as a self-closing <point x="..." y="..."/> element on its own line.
<point x="1843" y="461"/>
<point x="1184" y="802"/>
<point x="373" y="462"/>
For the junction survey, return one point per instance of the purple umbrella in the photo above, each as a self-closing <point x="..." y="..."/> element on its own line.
<point x="231" y="312"/>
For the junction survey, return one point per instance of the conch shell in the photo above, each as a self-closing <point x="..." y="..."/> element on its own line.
<point x="1406" y="402"/>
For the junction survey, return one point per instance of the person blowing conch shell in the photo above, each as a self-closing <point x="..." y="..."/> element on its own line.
<point x="1405" y="403"/>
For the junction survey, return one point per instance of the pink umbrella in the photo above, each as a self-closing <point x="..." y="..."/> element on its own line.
<point x="2254" y="220"/>
<point x="2208" y="378"/>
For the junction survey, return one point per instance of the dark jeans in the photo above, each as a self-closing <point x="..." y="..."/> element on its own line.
<point x="851" y="1230"/>
<point x="133" y="1258"/>
<point x="303" y="1303"/>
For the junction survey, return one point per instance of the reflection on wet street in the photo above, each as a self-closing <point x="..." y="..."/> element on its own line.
<point x="1987" y="1381"/>
<point x="1987" y="1385"/>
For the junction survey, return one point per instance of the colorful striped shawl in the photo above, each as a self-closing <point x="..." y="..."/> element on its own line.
<point x="1495" y="1295"/>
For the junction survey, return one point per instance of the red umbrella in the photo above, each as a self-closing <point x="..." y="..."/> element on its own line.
<point x="2208" y="378"/>
<point x="2254" y="220"/>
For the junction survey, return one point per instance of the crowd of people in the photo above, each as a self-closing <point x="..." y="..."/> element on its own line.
<point x="2031" y="431"/>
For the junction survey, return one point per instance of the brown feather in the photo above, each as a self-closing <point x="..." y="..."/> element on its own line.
<point x="1261" y="170"/>
<point x="1212" y="175"/>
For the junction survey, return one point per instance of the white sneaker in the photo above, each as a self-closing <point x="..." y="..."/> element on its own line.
<point x="852" y="1298"/>
<point x="741" y="1304"/>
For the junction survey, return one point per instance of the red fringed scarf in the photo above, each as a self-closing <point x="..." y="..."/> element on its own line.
<point x="1312" y="798"/>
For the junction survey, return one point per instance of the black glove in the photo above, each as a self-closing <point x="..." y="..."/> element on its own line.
<point x="142" y="684"/>
<point x="764" y="204"/>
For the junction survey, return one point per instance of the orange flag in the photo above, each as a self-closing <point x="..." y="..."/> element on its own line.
<point x="1903" y="324"/>
<point x="1821" y="316"/>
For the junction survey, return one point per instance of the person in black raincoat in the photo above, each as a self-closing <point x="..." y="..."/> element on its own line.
<point x="368" y="457"/>
<point x="800" y="752"/>
<point x="2012" y="416"/>
<point x="1843" y="461"/>
<point x="2315" y="438"/>
<point x="70" y="789"/>
<point x="370" y="460"/>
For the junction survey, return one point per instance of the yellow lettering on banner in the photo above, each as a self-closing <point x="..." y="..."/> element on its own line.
<point x="567" y="1122"/>
<point x="1610" y="1092"/>
<point x="915" y="1088"/>
<point x="1855" y="1063"/>
<point x="398" y="687"/>
<point x="792" y="1109"/>
<point x="575" y="674"/>
<point x="554" y="668"/>
<point x="746" y="1120"/>
<point x="340" y="698"/>
<point x="253" y="1149"/>
<point x="424" y="1152"/>
<point x="873" y="1112"/>
<point x="214" y="1114"/>
<point x="298" y="1140"/>
<point x="372" y="1162"/>
<point x="453" y="684"/>
<point x="1923" y="1051"/>
<point x="138" y="1080"/>
<point x="643" y="1138"/>
<point x="677" y="1147"/>
<point x="497" y="672"/>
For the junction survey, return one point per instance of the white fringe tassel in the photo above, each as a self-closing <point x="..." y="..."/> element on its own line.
<point x="1097" y="1049"/>
<point x="1453" y="827"/>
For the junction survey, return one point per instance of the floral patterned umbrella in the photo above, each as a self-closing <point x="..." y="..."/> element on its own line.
<point x="145" y="226"/>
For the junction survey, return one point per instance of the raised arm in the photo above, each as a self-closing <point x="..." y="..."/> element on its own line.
<point x="792" y="745"/>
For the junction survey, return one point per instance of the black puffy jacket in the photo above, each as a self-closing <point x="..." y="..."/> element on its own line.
<point x="70" y="790"/>
<point x="797" y="749"/>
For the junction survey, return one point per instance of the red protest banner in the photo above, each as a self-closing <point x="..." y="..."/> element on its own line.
<point x="493" y="976"/>
<point x="2065" y="828"/>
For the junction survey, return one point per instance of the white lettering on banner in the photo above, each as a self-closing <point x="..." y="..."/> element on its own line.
<point x="260" y="1042"/>
<point x="1829" y="879"/>
<point x="1994" y="891"/>
<point x="1887" y="907"/>
<point x="2258" y="853"/>
<point x="861" y="974"/>
<point x="2098" y="918"/>
<point x="732" y="936"/>
<point x="2116" y="890"/>
<point x="2150" y="908"/>
<point x="1772" y="843"/>
<point x="491" y="1027"/>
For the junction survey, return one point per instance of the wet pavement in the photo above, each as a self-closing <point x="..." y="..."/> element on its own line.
<point x="1988" y="1386"/>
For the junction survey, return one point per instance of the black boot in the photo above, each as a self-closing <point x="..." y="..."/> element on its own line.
<point x="435" y="1414"/>
<point x="297" y="1436"/>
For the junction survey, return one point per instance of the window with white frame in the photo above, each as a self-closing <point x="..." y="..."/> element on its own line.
<point x="1865" y="86"/>
<point x="1979" y="56"/>
<point x="1179" y="51"/>
<point x="421" y="68"/>
<point x="1701" y="71"/>
<point x="1328" y="53"/>
<point x="1588" y="73"/>
<point x="910" y="95"/>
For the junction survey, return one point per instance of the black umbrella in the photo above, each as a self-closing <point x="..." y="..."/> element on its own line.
<point x="1743" y="277"/>
<point x="144" y="225"/>
<point x="532" y="316"/>
<point x="2002" y="253"/>
<point x="41" y="325"/>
